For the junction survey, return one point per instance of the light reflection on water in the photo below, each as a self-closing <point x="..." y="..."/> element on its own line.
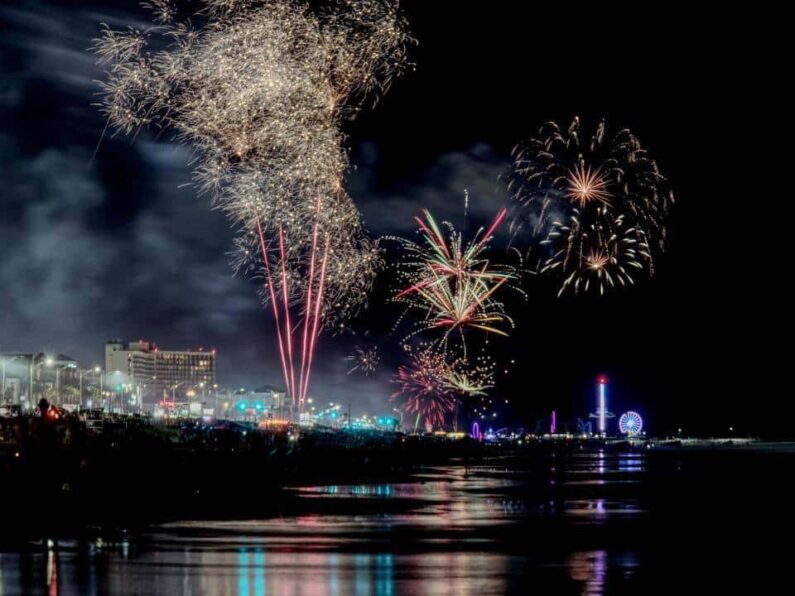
<point x="259" y="572"/>
<point x="444" y="532"/>
<point x="589" y="568"/>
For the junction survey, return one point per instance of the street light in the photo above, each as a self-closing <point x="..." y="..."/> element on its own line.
<point x="101" y="373"/>
<point x="49" y="362"/>
<point x="174" y="388"/>
<point x="32" y="365"/>
<point x="173" y="392"/>
<point x="191" y="393"/>
<point x="97" y="371"/>
<point x="117" y="380"/>
<point x="6" y="359"/>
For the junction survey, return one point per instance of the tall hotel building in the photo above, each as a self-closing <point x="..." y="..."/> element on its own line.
<point x="161" y="373"/>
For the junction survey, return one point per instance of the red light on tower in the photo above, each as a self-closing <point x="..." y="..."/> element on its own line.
<point x="601" y="379"/>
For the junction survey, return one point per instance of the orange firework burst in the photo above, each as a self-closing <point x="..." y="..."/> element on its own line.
<point x="597" y="259"/>
<point x="586" y="184"/>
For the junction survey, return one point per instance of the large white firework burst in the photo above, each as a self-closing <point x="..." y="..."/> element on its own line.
<point x="260" y="90"/>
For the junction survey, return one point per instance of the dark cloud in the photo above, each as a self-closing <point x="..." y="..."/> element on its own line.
<point x="440" y="186"/>
<point x="112" y="245"/>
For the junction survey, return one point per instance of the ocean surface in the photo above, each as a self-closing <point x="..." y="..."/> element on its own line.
<point x="702" y="522"/>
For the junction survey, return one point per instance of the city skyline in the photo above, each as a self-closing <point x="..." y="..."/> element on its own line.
<point x="111" y="240"/>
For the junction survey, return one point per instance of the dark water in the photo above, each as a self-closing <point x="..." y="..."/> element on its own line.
<point x="547" y="524"/>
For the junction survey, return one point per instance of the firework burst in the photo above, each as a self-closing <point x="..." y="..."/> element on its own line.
<point x="573" y="191"/>
<point x="471" y="379"/>
<point x="423" y="388"/>
<point x="451" y="283"/>
<point x="604" y="254"/>
<point x="365" y="360"/>
<point x="260" y="90"/>
<point x="585" y="185"/>
<point x="433" y="381"/>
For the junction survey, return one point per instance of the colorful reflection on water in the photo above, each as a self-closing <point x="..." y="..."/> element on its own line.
<point x="486" y="530"/>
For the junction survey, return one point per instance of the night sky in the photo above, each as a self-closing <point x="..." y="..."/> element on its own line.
<point x="120" y="246"/>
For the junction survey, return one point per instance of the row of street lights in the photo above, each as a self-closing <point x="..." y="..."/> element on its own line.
<point x="50" y="362"/>
<point x="35" y="362"/>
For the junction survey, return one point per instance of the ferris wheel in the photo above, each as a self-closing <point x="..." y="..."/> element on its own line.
<point x="630" y="424"/>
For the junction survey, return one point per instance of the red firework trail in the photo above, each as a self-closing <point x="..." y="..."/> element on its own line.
<point x="272" y="293"/>
<point x="288" y="325"/>
<point x="315" y="330"/>
<point x="312" y="313"/>
<point x="308" y="299"/>
<point x="495" y="224"/>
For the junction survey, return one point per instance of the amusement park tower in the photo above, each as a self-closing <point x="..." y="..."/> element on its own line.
<point x="601" y="409"/>
<point x="601" y="405"/>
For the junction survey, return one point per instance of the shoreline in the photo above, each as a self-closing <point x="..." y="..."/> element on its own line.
<point x="131" y="477"/>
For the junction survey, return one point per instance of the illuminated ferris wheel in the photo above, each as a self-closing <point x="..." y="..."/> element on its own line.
<point x="630" y="424"/>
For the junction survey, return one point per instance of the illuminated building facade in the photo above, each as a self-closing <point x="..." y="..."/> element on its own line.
<point x="162" y="374"/>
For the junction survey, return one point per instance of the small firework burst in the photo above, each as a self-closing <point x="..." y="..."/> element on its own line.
<point x="424" y="389"/>
<point x="471" y="379"/>
<point x="364" y="360"/>
<point x="434" y="381"/>
<point x="598" y="258"/>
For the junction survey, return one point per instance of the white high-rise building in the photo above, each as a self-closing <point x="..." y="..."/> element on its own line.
<point x="162" y="374"/>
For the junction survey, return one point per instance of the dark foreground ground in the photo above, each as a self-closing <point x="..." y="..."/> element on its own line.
<point x="68" y="482"/>
<point x="404" y="518"/>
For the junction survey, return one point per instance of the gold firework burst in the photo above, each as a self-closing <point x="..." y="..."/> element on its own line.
<point x="585" y="185"/>
<point x="597" y="259"/>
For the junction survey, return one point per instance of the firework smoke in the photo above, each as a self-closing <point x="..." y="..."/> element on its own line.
<point x="260" y="91"/>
